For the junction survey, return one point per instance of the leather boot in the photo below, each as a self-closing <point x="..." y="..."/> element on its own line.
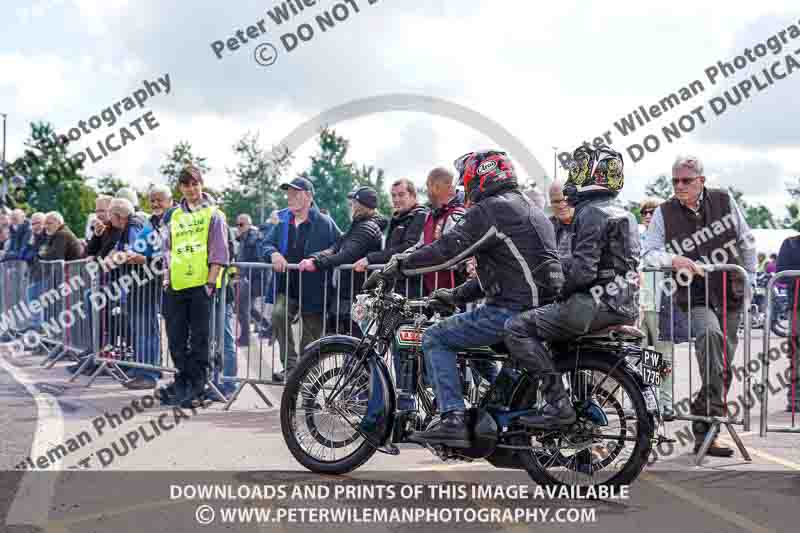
<point x="557" y="411"/>
<point x="452" y="431"/>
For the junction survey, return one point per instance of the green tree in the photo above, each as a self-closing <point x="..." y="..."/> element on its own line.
<point x="661" y="187"/>
<point x="255" y="189"/>
<point x="757" y="216"/>
<point x="332" y="176"/>
<point x="109" y="184"/>
<point x="54" y="181"/>
<point x="181" y="155"/>
<point x="793" y="220"/>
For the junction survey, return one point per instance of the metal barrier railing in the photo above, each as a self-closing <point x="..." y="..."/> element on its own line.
<point x="792" y="349"/>
<point x="292" y="324"/>
<point x="14" y="315"/>
<point x="129" y="306"/>
<point x="728" y="331"/>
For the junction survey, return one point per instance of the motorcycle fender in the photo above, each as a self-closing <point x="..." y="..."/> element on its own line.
<point x="379" y="419"/>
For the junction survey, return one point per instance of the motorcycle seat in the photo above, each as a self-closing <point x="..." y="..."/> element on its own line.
<point x="615" y="332"/>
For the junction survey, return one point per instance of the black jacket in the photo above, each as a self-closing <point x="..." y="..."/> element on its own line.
<point x="605" y="249"/>
<point x="363" y="237"/>
<point x="20" y="235"/>
<point x="515" y="245"/>
<point x="249" y="246"/>
<point x="103" y="245"/>
<point x="404" y="232"/>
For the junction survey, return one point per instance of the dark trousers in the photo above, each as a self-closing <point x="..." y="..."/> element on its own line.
<point x="189" y="312"/>
<point x="247" y="295"/>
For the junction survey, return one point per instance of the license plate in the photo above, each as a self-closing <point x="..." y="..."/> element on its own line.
<point x="651" y="367"/>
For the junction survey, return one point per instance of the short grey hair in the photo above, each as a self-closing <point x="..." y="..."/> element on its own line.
<point x="688" y="161"/>
<point x="246" y="217"/>
<point x="158" y="188"/>
<point x="55" y="215"/>
<point x="38" y="214"/>
<point x="121" y="206"/>
<point x="129" y="194"/>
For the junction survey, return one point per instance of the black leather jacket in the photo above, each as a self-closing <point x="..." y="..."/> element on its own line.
<point x="515" y="245"/>
<point x="605" y="249"/>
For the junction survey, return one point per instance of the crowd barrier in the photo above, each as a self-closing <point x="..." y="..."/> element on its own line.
<point x="122" y="326"/>
<point x="266" y="351"/>
<point x="680" y="320"/>
<point x="792" y="396"/>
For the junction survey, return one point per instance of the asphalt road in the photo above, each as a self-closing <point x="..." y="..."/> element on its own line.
<point x="129" y="487"/>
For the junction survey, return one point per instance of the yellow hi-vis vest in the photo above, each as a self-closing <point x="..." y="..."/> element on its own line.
<point x="189" y="255"/>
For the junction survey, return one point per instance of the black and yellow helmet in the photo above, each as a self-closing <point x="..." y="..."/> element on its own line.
<point x="598" y="167"/>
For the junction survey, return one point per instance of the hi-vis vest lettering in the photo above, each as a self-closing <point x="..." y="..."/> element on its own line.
<point x="189" y="257"/>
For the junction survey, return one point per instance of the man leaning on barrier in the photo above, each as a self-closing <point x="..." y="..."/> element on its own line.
<point x="195" y="245"/>
<point x="301" y="232"/>
<point x="363" y="237"/>
<point x="696" y="223"/>
<point x="404" y="232"/>
<point x="139" y="302"/>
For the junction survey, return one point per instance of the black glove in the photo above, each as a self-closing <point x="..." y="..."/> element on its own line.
<point x="446" y="296"/>
<point x="392" y="270"/>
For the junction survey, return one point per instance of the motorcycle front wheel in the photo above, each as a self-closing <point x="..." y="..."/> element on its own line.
<point x="321" y="436"/>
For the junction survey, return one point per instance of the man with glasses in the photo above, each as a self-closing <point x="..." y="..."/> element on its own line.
<point x="302" y="230"/>
<point x="702" y="223"/>
<point x="561" y="219"/>
<point x="105" y="236"/>
<point x="251" y="281"/>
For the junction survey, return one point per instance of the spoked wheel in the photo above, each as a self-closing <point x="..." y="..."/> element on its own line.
<point x="608" y="444"/>
<point x="320" y="432"/>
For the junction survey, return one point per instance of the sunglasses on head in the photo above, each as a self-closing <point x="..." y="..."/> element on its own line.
<point x="682" y="181"/>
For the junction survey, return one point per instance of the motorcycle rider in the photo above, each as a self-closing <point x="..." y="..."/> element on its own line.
<point x="518" y="269"/>
<point x="601" y="280"/>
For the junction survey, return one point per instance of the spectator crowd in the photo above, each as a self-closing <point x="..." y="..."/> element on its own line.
<point x="304" y="292"/>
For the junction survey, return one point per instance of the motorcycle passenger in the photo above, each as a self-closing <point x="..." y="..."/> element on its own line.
<point x="518" y="269"/>
<point x="605" y="250"/>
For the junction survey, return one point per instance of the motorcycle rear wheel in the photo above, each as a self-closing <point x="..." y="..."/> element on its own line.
<point x="582" y="456"/>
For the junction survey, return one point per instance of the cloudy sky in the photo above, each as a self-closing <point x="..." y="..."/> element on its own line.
<point x="552" y="75"/>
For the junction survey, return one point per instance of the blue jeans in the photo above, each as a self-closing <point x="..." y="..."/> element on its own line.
<point x="34" y="292"/>
<point x="229" y="362"/>
<point x="483" y="326"/>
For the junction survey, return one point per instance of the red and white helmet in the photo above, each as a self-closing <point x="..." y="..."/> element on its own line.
<point x="484" y="172"/>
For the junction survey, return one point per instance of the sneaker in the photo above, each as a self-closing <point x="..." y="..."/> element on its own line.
<point x="140" y="383"/>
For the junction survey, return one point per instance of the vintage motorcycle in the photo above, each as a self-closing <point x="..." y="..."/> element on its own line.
<point x="341" y="404"/>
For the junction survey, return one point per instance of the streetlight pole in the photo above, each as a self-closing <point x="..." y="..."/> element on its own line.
<point x="4" y="142"/>
<point x="555" y="160"/>
<point x="4" y="181"/>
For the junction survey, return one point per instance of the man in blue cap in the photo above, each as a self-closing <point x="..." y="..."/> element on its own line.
<point x="301" y="232"/>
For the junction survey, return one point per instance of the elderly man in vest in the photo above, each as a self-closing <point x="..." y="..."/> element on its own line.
<point x="195" y="245"/>
<point x="696" y="226"/>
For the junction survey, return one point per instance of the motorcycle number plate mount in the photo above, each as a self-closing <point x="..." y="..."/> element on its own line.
<point x="651" y="367"/>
